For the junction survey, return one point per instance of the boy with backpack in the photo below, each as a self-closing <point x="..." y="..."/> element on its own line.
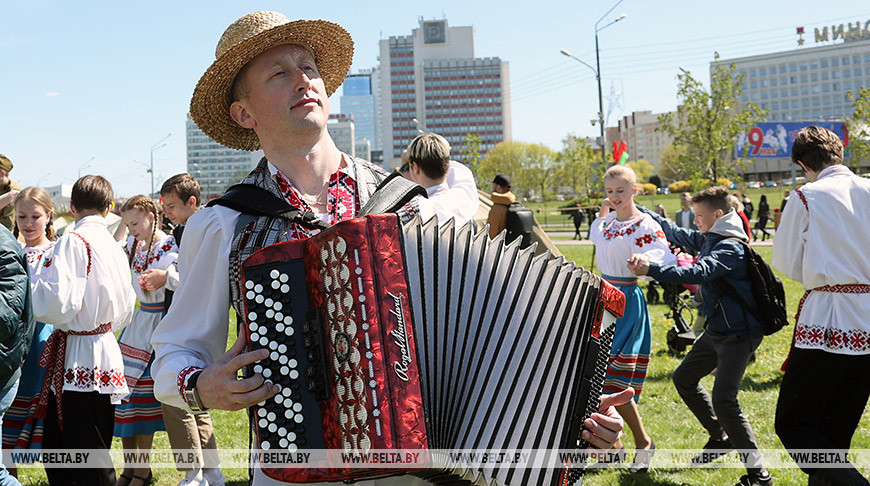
<point x="732" y="330"/>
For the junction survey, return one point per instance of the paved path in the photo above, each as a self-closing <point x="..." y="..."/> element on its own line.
<point x="584" y="242"/>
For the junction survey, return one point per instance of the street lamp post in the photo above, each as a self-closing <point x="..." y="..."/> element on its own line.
<point x="85" y="166"/>
<point x="160" y="144"/>
<point x="597" y="71"/>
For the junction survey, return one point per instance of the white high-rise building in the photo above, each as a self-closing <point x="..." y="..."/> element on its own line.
<point x="216" y="167"/>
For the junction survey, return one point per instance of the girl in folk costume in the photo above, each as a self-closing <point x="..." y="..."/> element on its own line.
<point x="33" y="214"/>
<point x="620" y="231"/>
<point x="140" y="415"/>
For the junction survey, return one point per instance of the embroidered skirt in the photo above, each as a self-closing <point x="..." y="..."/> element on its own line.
<point x="20" y="429"/>
<point x="629" y="355"/>
<point x="140" y="413"/>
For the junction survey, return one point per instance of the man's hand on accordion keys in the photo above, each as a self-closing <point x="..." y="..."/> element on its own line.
<point x="604" y="428"/>
<point x="219" y="386"/>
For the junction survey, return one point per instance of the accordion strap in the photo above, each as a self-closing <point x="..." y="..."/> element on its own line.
<point x="256" y="201"/>
<point x="391" y="195"/>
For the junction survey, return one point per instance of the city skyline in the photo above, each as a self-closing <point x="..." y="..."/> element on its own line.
<point x="109" y="81"/>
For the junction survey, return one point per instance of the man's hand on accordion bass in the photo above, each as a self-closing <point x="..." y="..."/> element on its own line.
<point x="220" y="388"/>
<point x="604" y="428"/>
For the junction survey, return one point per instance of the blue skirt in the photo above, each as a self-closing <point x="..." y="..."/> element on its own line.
<point x="140" y="413"/>
<point x="630" y="352"/>
<point x="20" y="429"/>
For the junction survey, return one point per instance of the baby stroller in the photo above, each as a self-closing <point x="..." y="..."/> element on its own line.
<point x="682" y="309"/>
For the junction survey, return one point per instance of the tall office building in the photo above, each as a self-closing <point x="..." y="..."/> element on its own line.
<point x="216" y="167"/>
<point x="358" y="104"/>
<point x="342" y="130"/>
<point x="431" y="81"/>
<point x="805" y="84"/>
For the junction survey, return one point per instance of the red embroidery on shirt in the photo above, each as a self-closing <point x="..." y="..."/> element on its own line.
<point x="342" y="201"/>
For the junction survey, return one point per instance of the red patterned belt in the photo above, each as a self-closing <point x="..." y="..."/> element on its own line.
<point x="837" y="289"/>
<point x="52" y="359"/>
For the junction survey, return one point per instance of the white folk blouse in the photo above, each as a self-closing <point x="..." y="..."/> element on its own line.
<point x="616" y="241"/>
<point x="825" y="243"/>
<point x="87" y="284"/>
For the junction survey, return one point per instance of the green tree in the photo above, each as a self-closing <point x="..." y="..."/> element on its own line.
<point x="470" y="153"/>
<point x="707" y="123"/>
<point x="531" y="167"/>
<point x="578" y="167"/>
<point x="643" y="169"/>
<point x="674" y="165"/>
<point x="859" y="126"/>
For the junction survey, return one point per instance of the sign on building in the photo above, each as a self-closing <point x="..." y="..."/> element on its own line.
<point x="774" y="139"/>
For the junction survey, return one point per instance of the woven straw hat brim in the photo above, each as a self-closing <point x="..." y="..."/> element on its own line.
<point x="329" y="43"/>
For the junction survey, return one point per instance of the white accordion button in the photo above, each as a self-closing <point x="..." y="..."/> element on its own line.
<point x="255" y="337"/>
<point x="289" y="414"/>
<point x="283" y="278"/>
<point x="273" y="428"/>
<point x="278" y="316"/>
<point x="288" y="320"/>
<point x="285" y="288"/>
<point x="252" y="316"/>
<point x="282" y="359"/>
<point x="267" y="372"/>
<point x="293" y="363"/>
<point x="274" y="273"/>
<point x="253" y="326"/>
<point x="285" y="370"/>
<point x="258" y="369"/>
<point x="265" y="444"/>
<point x="249" y="285"/>
<point x="291" y="436"/>
<point x="259" y="299"/>
<point x="297" y="407"/>
<point x="282" y="432"/>
<point x="274" y="355"/>
<point x="258" y="288"/>
<point x="279" y="398"/>
<point x="294" y="375"/>
<point x="278" y="306"/>
<point x="250" y="295"/>
<point x="282" y="348"/>
<point x="263" y="423"/>
<point x="276" y="284"/>
<point x="286" y="392"/>
<point x="283" y="443"/>
<point x="288" y="330"/>
<point x="261" y="412"/>
<point x="270" y="313"/>
<point x="271" y="416"/>
<point x="298" y="419"/>
<point x="263" y="330"/>
<point x="269" y="302"/>
<point x="291" y="448"/>
<point x="264" y="340"/>
<point x="279" y="327"/>
<point x="273" y="346"/>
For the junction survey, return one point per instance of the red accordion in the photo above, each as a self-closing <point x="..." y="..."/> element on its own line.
<point x="417" y="337"/>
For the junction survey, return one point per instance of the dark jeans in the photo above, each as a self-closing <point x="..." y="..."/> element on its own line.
<point x="820" y="404"/>
<point x="88" y="423"/>
<point x="721" y="415"/>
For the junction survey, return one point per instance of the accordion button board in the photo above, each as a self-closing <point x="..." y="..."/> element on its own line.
<point x="385" y="336"/>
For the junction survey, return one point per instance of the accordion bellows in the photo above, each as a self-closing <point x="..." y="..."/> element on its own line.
<point x="385" y="336"/>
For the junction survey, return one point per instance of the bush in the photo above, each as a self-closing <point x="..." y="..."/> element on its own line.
<point x="723" y="181"/>
<point x="648" y="188"/>
<point x="680" y="186"/>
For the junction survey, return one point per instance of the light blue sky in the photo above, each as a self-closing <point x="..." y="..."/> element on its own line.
<point x="109" y="79"/>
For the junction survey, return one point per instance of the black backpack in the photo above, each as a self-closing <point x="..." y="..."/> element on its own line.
<point x="767" y="288"/>
<point x="518" y="223"/>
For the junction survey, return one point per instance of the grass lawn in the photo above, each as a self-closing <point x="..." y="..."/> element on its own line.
<point x="665" y="416"/>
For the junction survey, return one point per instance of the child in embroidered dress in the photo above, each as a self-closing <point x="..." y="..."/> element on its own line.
<point x="33" y="215"/>
<point x="84" y="291"/>
<point x="140" y="414"/>
<point x="619" y="231"/>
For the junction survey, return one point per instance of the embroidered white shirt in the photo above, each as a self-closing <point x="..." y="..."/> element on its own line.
<point x="615" y="241"/>
<point x="825" y="243"/>
<point x="67" y="295"/>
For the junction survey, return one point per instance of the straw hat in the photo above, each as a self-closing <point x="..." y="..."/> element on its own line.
<point x="246" y="38"/>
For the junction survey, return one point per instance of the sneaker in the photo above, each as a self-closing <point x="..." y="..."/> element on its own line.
<point x="643" y="458"/>
<point x="213" y="477"/>
<point x="713" y="449"/>
<point x="764" y="479"/>
<point x="193" y="478"/>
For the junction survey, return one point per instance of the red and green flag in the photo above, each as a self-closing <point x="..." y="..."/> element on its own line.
<point x="620" y="152"/>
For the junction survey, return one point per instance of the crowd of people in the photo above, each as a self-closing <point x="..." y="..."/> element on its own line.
<point x="269" y="88"/>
